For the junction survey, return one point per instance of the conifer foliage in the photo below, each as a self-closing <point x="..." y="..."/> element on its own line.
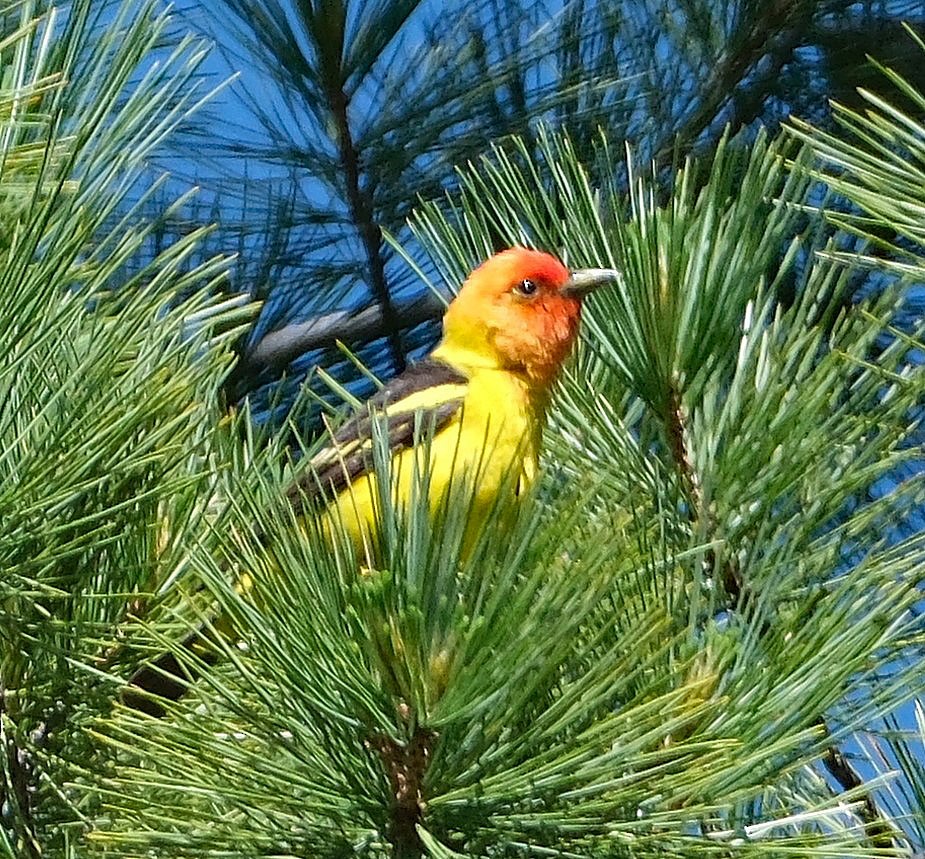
<point x="695" y="637"/>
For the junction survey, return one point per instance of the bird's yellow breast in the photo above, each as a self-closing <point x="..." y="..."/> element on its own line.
<point x="492" y="444"/>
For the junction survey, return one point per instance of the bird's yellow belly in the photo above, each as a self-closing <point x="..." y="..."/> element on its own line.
<point x="483" y="456"/>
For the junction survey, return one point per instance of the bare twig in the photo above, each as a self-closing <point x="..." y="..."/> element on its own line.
<point x="361" y="209"/>
<point x="278" y="348"/>
<point x="270" y="355"/>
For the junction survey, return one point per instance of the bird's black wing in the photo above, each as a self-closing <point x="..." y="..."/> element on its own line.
<point x="431" y="388"/>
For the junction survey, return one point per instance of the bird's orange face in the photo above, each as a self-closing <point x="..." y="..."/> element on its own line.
<point x="513" y="310"/>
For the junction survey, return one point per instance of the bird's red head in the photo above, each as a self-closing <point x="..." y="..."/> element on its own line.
<point x="518" y="311"/>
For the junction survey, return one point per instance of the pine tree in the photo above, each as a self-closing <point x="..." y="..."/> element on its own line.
<point x="669" y="646"/>
<point x="666" y="651"/>
<point x="108" y="380"/>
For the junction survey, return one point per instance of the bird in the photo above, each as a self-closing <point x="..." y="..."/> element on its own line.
<point x="482" y="393"/>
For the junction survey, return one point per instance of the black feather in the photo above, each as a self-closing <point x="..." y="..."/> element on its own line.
<point x="325" y="483"/>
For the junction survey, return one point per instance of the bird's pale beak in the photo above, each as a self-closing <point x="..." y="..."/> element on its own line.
<point x="586" y="280"/>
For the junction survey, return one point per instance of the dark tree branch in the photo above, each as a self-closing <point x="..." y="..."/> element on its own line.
<point x="274" y="351"/>
<point x="16" y="810"/>
<point x="361" y="209"/>
<point x="878" y="830"/>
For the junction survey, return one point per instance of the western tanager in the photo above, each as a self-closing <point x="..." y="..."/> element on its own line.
<point x="484" y="390"/>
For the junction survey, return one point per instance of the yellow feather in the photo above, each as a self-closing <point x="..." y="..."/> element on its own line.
<point x="493" y="440"/>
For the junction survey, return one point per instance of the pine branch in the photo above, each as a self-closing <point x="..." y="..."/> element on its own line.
<point x="676" y="430"/>
<point x="776" y="26"/>
<point x="405" y="766"/>
<point x="361" y="209"/>
<point x="778" y="29"/>
<point x="275" y="350"/>
<point x="739" y="597"/>
<point x="15" y="792"/>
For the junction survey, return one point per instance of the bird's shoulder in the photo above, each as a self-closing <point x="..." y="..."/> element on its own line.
<point x="423" y="385"/>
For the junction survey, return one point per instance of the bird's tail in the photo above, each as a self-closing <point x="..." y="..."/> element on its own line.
<point x="167" y="678"/>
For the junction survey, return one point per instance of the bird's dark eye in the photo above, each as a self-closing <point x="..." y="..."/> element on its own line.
<point x="526" y="287"/>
